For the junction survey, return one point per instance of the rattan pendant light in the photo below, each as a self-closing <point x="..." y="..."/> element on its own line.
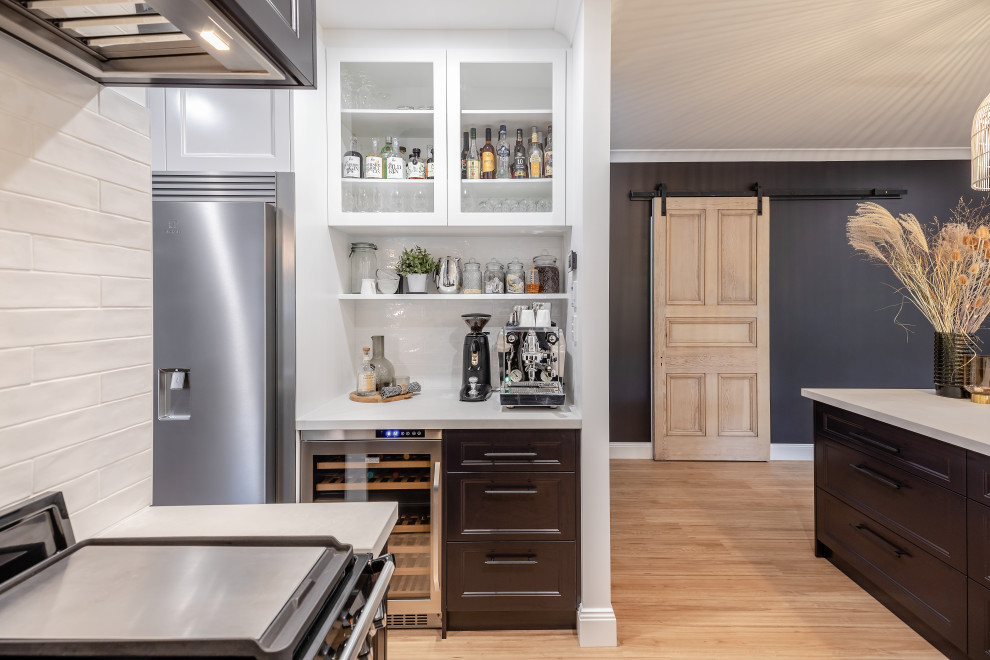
<point x="980" y="147"/>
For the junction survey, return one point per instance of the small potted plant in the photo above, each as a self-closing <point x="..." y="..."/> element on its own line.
<point x="415" y="265"/>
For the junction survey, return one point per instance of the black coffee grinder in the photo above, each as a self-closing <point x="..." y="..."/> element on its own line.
<point x="476" y="381"/>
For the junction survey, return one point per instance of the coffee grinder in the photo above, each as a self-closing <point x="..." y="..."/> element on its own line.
<point x="476" y="374"/>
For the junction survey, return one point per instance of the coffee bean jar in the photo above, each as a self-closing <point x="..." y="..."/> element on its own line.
<point x="549" y="274"/>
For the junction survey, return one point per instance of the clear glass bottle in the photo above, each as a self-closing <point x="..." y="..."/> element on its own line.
<point x="395" y="167"/>
<point x="494" y="277"/>
<point x="464" y="154"/>
<point x="374" y="165"/>
<point x="549" y="274"/>
<point x="535" y="155"/>
<point x="548" y="154"/>
<point x="415" y="168"/>
<point x="473" y="157"/>
<point x="366" y="375"/>
<point x="520" y="170"/>
<point x="472" y="277"/>
<point x="502" y="156"/>
<point x="488" y="157"/>
<point x="515" y="277"/>
<point x="352" y="161"/>
<point x="364" y="264"/>
<point x="384" y="371"/>
<point x="430" y="166"/>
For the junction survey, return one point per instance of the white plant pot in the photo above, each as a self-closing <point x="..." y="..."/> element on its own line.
<point x="416" y="283"/>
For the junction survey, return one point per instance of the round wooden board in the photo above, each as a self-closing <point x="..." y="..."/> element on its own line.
<point x="374" y="398"/>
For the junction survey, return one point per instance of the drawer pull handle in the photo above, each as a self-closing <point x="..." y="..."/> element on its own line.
<point x="511" y="560"/>
<point x="510" y="454"/>
<point x="876" y="476"/>
<point x="511" y="491"/>
<point x="882" y="542"/>
<point x="883" y="446"/>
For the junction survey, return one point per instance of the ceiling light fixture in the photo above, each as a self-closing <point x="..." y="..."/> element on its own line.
<point x="979" y="152"/>
<point x="211" y="38"/>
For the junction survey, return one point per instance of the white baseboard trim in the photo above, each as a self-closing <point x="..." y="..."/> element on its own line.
<point x="596" y="626"/>
<point x="641" y="450"/>
<point x="781" y="452"/>
<point x="777" y="155"/>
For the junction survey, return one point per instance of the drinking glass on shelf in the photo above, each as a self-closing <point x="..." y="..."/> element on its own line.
<point x="467" y="204"/>
<point x="379" y="200"/>
<point x="381" y="100"/>
<point x="527" y="206"/>
<point x="365" y="200"/>
<point x="419" y="203"/>
<point x="511" y="206"/>
<point x="346" y="90"/>
<point x="544" y="206"/>
<point x="347" y="200"/>
<point x="394" y="201"/>
<point x="365" y="92"/>
<point x="498" y="205"/>
<point x="483" y="206"/>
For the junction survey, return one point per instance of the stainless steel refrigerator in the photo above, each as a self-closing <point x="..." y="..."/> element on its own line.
<point x="224" y="339"/>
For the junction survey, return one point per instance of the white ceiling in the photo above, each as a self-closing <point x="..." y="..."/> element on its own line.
<point x="797" y="74"/>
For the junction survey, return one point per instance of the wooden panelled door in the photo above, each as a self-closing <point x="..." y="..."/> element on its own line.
<point x="711" y="363"/>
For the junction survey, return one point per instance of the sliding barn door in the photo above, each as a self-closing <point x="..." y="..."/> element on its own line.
<point x="711" y="367"/>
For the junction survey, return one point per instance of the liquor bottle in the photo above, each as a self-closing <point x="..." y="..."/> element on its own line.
<point x="502" y="155"/>
<point x="535" y="155"/>
<point x="488" y="157"/>
<point x="429" y="163"/>
<point x="519" y="168"/>
<point x="373" y="163"/>
<point x="395" y="167"/>
<point x="366" y="376"/>
<point x="473" y="159"/>
<point x="548" y="154"/>
<point x="352" y="161"/>
<point x="464" y="153"/>
<point x="415" y="168"/>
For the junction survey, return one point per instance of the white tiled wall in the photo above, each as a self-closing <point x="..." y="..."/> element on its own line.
<point x="75" y="291"/>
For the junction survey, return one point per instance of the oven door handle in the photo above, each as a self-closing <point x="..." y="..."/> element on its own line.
<point x="352" y="647"/>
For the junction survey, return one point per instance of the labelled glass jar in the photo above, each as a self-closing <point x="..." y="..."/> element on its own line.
<point x="364" y="264"/>
<point x="548" y="273"/>
<point x="472" y="277"/>
<point x="515" y="277"/>
<point x="494" y="277"/>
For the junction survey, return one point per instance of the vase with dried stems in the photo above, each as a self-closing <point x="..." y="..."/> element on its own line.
<point x="944" y="272"/>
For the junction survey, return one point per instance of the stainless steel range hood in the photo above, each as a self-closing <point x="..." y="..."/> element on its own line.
<point x="173" y="43"/>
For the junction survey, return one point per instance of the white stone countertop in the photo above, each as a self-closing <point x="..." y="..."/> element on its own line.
<point x="435" y="411"/>
<point x="363" y="525"/>
<point x="958" y="422"/>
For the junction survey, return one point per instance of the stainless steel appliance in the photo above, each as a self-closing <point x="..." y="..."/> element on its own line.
<point x="476" y="369"/>
<point x="531" y="363"/>
<point x="174" y="597"/>
<point x="388" y="465"/>
<point x="224" y="327"/>
<point x="173" y="43"/>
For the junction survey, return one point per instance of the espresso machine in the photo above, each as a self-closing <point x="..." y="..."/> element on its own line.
<point x="476" y="381"/>
<point x="531" y="359"/>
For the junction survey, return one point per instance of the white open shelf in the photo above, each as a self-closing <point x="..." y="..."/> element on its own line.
<point x="513" y="119"/>
<point x="453" y="296"/>
<point x="383" y="182"/>
<point x="397" y="123"/>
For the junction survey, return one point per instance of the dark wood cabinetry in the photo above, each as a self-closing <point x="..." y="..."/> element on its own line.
<point x="892" y="512"/>
<point x="511" y="531"/>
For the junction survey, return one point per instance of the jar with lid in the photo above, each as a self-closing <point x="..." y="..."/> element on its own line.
<point x="364" y="264"/>
<point x="494" y="277"/>
<point x="472" y="277"/>
<point x="515" y="277"/>
<point x="549" y="274"/>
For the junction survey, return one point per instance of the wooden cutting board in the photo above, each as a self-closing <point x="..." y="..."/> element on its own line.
<point x="375" y="398"/>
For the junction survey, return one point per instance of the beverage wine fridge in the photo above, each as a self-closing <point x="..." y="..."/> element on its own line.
<point x="400" y="465"/>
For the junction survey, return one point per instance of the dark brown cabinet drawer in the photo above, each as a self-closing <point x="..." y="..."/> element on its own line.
<point x="979" y="542"/>
<point x="509" y="575"/>
<point x="979" y="621"/>
<point x="929" y="515"/>
<point x="511" y="506"/>
<point x="914" y="453"/>
<point x="929" y="589"/>
<point x="978" y="477"/>
<point x="511" y="451"/>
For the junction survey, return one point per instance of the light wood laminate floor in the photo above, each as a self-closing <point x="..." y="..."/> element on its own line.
<point x="709" y="560"/>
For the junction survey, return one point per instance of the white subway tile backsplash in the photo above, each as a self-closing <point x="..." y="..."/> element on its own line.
<point x="125" y="292"/>
<point x="62" y="360"/>
<point x="44" y="73"/>
<point x="125" y="383"/>
<point x="30" y="177"/>
<point x="124" y="201"/>
<point x="68" y="256"/>
<point x="78" y="156"/>
<point x="124" y="111"/>
<point x="15" y="367"/>
<point x="15" y="482"/>
<point x="22" y="404"/>
<point x="38" y="216"/>
<point x="94" y="519"/>
<point x="124" y="473"/>
<point x="80" y="492"/>
<point x="54" y="468"/>
<point x="27" y="289"/>
<point x="15" y="250"/>
<point x="15" y="134"/>
<point x="102" y="132"/>
<point x="20" y="328"/>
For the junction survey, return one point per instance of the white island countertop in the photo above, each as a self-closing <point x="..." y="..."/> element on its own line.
<point x="363" y="525"/>
<point x="958" y="422"/>
<point x="435" y="411"/>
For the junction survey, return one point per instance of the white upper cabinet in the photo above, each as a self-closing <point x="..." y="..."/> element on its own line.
<point x="376" y="94"/>
<point x="221" y="130"/>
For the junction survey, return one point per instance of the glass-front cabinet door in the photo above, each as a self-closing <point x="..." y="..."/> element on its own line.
<point x="387" y="136"/>
<point x="512" y="102"/>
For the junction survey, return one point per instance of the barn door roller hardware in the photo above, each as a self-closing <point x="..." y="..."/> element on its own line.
<point x="759" y="192"/>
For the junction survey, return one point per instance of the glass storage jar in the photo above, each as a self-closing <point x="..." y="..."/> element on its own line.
<point x="494" y="277"/>
<point x="549" y="274"/>
<point x="364" y="264"/>
<point x="515" y="277"/>
<point x="472" y="277"/>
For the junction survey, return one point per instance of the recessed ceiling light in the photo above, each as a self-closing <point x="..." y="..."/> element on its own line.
<point x="211" y="38"/>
